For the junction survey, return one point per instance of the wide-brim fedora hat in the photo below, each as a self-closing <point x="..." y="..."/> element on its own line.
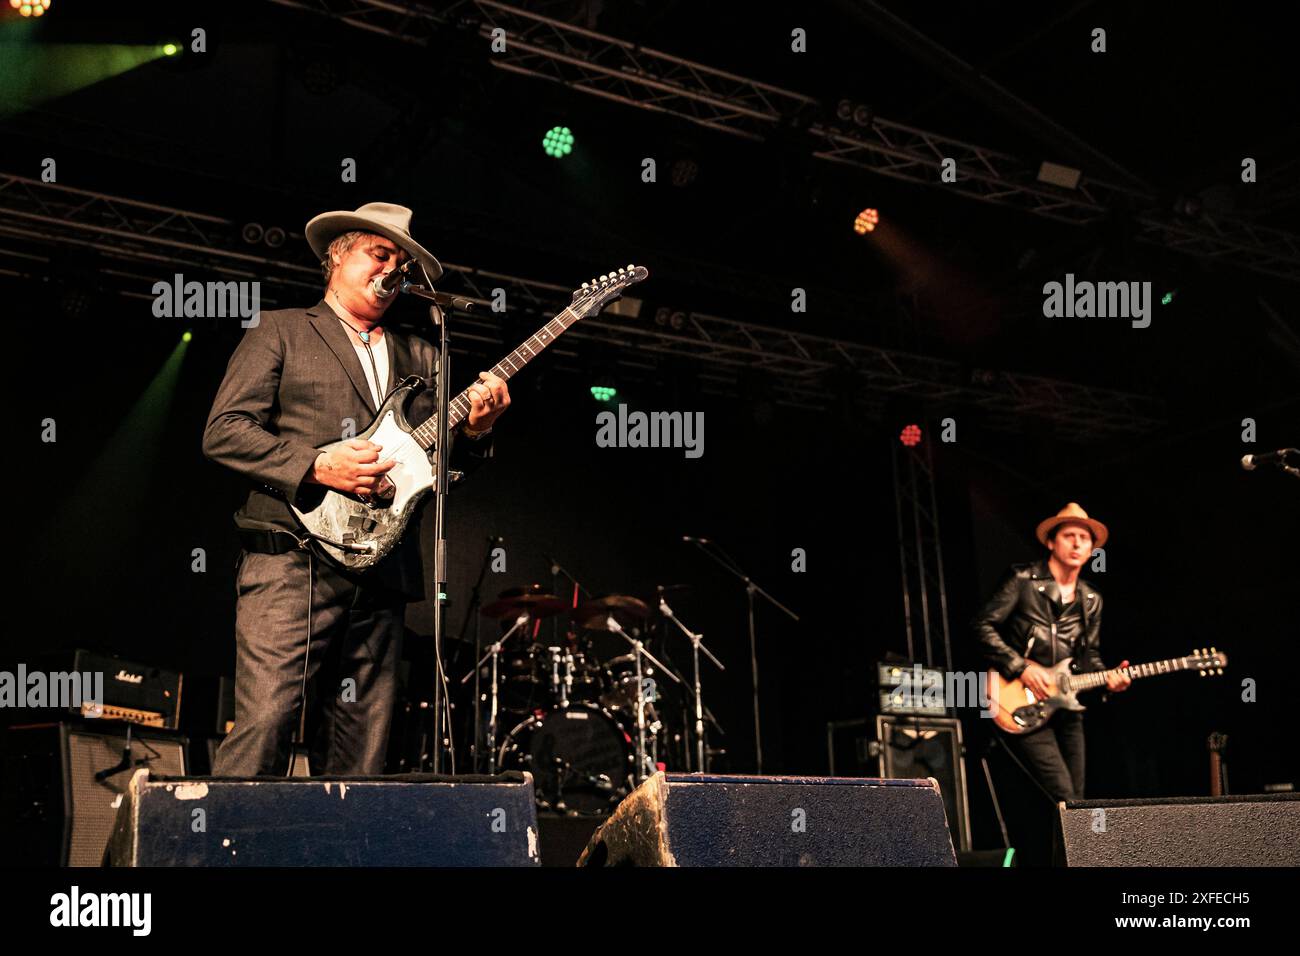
<point x="385" y="219"/>
<point x="1073" y="514"/>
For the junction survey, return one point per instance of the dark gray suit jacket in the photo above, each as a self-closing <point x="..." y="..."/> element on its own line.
<point x="290" y="384"/>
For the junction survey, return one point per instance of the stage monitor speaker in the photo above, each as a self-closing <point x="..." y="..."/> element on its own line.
<point x="706" y="820"/>
<point x="410" y="820"/>
<point x="54" y="810"/>
<point x="1261" y="830"/>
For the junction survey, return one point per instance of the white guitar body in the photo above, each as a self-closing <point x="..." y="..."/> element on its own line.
<point x="370" y="528"/>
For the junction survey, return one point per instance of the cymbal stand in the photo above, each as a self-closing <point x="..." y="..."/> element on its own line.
<point x="494" y="654"/>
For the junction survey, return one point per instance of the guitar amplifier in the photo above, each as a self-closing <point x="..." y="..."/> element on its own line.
<point x="61" y="786"/>
<point x="131" y="691"/>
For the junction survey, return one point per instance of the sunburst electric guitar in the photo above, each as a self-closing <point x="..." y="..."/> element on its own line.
<point x="1017" y="711"/>
<point x="358" y="531"/>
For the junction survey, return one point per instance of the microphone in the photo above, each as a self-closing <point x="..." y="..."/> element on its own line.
<point x="1274" y="458"/>
<point x="387" y="284"/>
<point x="689" y="540"/>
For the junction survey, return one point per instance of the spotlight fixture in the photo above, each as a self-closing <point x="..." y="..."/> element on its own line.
<point x="252" y="233"/>
<point x="558" y="142"/>
<point x="866" y="221"/>
<point x="274" y="237"/>
<point x="30" y="8"/>
<point x="910" y="436"/>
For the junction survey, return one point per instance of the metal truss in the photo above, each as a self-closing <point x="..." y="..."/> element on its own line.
<point x="613" y="69"/>
<point x="920" y="553"/>
<point x="139" y="243"/>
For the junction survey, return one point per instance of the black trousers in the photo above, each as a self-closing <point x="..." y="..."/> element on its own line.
<point x="1053" y="754"/>
<point x="351" y="670"/>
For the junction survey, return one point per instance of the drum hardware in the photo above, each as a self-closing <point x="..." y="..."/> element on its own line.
<point x="697" y="645"/>
<point x="611" y="624"/>
<point x="530" y="599"/>
<point x="580" y="758"/>
<point x="493" y="654"/>
<point x="578" y="588"/>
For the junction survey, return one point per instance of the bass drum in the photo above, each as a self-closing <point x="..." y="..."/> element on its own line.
<point x="580" y="758"/>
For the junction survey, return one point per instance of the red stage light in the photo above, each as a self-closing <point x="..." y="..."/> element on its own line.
<point x="910" y="436"/>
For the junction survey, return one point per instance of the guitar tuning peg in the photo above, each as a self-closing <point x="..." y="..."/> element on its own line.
<point x="630" y="267"/>
<point x="584" y="285"/>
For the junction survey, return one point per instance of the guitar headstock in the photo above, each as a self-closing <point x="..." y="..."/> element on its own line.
<point x="1208" y="661"/>
<point x="596" y="294"/>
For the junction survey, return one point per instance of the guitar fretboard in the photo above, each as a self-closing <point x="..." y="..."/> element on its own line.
<point x="459" y="407"/>
<point x="1170" y="666"/>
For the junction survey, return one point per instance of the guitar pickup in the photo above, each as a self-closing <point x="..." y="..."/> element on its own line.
<point x="358" y="521"/>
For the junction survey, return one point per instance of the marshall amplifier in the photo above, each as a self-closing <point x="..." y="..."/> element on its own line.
<point x="124" y="690"/>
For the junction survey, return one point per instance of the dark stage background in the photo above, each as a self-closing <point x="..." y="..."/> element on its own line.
<point x="1201" y="553"/>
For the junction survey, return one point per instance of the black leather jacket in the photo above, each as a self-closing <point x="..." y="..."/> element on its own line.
<point x="1026" y="604"/>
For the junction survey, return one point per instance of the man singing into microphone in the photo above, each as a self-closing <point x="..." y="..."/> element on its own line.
<point x="301" y="378"/>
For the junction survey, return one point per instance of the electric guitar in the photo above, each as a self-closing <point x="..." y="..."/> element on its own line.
<point x="1017" y="711"/>
<point x="358" y="531"/>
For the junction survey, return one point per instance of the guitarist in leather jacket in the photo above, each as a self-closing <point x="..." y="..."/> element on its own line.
<point x="1040" y="614"/>
<point x="299" y="379"/>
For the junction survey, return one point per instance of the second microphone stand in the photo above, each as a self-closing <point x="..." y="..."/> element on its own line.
<point x="751" y="589"/>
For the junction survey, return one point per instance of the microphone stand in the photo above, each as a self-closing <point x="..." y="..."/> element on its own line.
<point x="751" y="589"/>
<point x="556" y="570"/>
<point x="440" y="519"/>
<point x="697" y="645"/>
<point x="474" y="601"/>
<point x="611" y="624"/>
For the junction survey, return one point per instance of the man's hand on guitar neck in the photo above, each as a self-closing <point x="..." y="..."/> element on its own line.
<point x="353" y="467"/>
<point x="1115" y="681"/>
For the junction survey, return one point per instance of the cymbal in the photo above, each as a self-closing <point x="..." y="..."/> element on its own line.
<point x="625" y="609"/>
<point x="529" y="599"/>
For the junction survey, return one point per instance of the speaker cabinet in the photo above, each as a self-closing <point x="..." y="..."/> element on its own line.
<point x="706" y="820"/>
<point x="921" y="747"/>
<point x="1261" y="830"/>
<point x="57" y="794"/>
<point x="410" y="820"/>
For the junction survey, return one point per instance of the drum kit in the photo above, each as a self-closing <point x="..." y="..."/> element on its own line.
<point x="583" y="712"/>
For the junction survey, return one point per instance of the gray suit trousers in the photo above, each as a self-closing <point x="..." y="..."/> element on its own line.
<point x="356" y="643"/>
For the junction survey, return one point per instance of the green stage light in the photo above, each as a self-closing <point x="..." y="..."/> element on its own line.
<point x="187" y="336"/>
<point x="170" y="49"/>
<point x="603" y="393"/>
<point x="558" y="141"/>
<point x="1167" y="297"/>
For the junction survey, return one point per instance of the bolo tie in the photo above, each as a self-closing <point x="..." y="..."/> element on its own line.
<point x="365" y="340"/>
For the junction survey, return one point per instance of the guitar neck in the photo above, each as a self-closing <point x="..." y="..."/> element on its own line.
<point x="459" y="407"/>
<point x="1098" y="678"/>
